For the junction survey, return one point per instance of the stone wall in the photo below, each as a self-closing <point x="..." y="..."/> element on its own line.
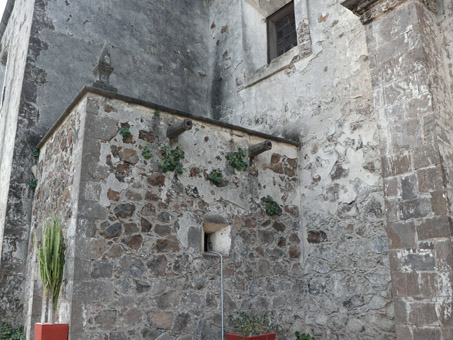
<point x="56" y="194"/>
<point x="136" y="268"/>
<point x="45" y="72"/>
<point x="324" y="99"/>
<point x="15" y="196"/>
<point x="413" y="105"/>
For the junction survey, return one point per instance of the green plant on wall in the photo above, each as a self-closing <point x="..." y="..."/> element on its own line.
<point x="157" y="113"/>
<point x="304" y="336"/>
<point x="216" y="176"/>
<point x="51" y="260"/>
<point x="36" y="153"/>
<point x="171" y="160"/>
<point x="146" y="153"/>
<point x="125" y="132"/>
<point x="32" y="184"/>
<point x="9" y="333"/>
<point x="272" y="207"/>
<point x="236" y="160"/>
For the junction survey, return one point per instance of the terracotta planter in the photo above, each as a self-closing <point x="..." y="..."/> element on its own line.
<point x="269" y="336"/>
<point x="49" y="331"/>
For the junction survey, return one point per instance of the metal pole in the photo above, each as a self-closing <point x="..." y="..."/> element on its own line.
<point x="221" y="285"/>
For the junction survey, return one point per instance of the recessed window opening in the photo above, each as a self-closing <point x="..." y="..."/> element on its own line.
<point x="216" y="237"/>
<point x="281" y="31"/>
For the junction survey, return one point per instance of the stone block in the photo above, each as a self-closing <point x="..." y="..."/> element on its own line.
<point x="401" y="310"/>
<point x="102" y="270"/>
<point x="160" y="319"/>
<point x="92" y="291"/>
<point x="422" y="313"/>
<point x="106" y="319"/>
<point x="438" y="202"/>
<point x="124" y="210"/>
<point x="399" y="284"/>
<point x="401" y="235"/>
<point x="416" y="208"/>
<point x="391" y="210"/>
<point x="403" y="332"/>
<point x="444" y="256"/>
<point x="92" y="105"/>
<point x="90" y="191"/>
<point x="91" y="152"/>
<point x="91" y="210"/>
<point x="435" y="227"/>
<point x="396" y="164"/>
<point x="409" y="188"/>
<point x="101" y="128"/>
<point x="423" y="261"/>
<point x="430" y="179"/>
<point x="391" y="187"/>
<point x="425" y="333"/>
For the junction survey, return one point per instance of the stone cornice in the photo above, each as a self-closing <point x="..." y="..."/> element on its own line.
<point x="368" y="10"/>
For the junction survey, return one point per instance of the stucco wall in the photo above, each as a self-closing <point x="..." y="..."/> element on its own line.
<point x="325" y="100"/>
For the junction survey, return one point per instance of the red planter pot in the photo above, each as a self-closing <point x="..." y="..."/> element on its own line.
<point x="270" y="336"/>
<point x="49" y="331"/>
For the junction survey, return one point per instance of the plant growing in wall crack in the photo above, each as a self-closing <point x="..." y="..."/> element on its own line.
<point x="125" y="132"/>
<point x="157" y="113"/>
<point x="51" y="260"/>
<point x="36" y="153"/>
<point x="236" y="160"/>
<point x="171" y="160"/>
<point x="32" y="184"/>
<point x="272" y="208"/>
<point x="216" y="176"/>
<point x="146" y="153"/>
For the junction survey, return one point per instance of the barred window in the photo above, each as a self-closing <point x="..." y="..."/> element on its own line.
<point x="281" y="31"/>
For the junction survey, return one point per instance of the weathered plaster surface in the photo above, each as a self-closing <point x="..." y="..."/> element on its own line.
<point x="325" y="100"/>
<point x="15" y="196"/>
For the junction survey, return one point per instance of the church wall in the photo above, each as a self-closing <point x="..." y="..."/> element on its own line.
<point x="150" y="53"/>
<point x="135" y="263"/>
<point x="324" y="99"/>
<point x="15" y="196"/>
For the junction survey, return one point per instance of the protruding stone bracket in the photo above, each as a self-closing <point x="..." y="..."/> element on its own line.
<point x="368" y="10"/>
<point x="175" y="130"/>
<point x="103" y="70"/>
<point x="256" y="149"/>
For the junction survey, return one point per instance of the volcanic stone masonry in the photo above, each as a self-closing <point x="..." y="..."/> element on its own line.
<point x="136" y="267"/>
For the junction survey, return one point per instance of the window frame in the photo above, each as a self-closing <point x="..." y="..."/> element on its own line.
<point x="272" y="41"/>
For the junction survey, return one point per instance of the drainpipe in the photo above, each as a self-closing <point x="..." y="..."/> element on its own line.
<point x="221" y="284"/>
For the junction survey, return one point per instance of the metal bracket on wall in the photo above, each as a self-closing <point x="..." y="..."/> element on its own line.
<point x="175" y="130"/>
<point x="256" y="149"/>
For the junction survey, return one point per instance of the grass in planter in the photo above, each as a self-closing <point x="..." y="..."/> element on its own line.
<point x="216" y="176"/>
<point x="7" y="332"/>
<point x="303" y="336"/>
<point x="171" y="160"/>
<point x="236" y="160"/>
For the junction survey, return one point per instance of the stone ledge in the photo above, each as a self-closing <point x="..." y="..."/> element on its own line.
<point x="87" y="89"/>
<point x="368" y="10"/>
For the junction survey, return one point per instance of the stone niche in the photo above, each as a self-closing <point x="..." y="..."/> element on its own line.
<point x="135" y="262"/>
